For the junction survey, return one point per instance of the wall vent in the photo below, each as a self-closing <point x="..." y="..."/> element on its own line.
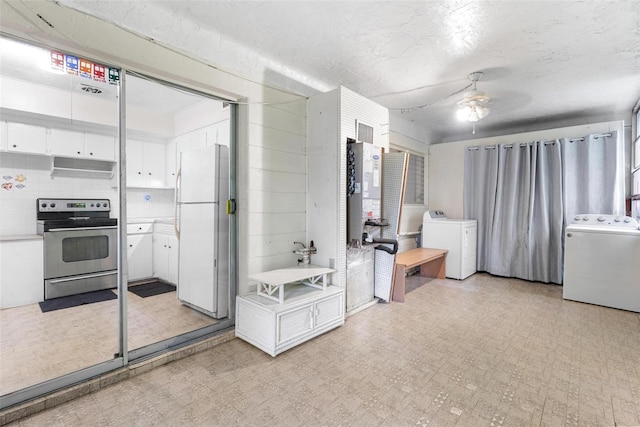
<point x="364" y="132"/>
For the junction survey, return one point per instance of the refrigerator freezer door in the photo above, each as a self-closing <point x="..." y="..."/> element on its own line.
<point x="198" y="176"/>
<point x="197" y="281"/>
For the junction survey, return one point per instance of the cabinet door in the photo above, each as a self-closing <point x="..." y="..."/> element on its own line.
<point x="182" y="145"/>
<point x="21" y="273"/>
<point x="224" y="133"/>
<point x="65" y="143"/>
<point x="153" y="164"/>
<point x="135" y="156"/>
<point x="172" y="243"/>
<point x="198" y="139"/>
<point x="139" y="256"/>
<point x="171" y="165"/>
<point x="100" y="147"/>
<point x="294" y="323"/>
<point x="3" y="136"/>
<point x="160" y="257"/>
<point x="212" y="135"/>
<point x="328" y="310"/>
<point x="26" y="138"/>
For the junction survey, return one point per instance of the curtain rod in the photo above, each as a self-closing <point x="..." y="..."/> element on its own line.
<point x="596" y="136"/>
<point x="493" y="147"/>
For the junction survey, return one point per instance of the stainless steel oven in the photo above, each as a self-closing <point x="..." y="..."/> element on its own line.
<point x="80" y="246"/>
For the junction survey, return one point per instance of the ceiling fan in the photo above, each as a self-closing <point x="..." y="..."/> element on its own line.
<point x="472" y="107"/>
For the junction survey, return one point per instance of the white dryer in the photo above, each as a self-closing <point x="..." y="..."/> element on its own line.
<point x="458" y="236"/>
<point x="602" y="261"/>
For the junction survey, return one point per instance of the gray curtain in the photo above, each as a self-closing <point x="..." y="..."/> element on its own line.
<point x="589" y="184"/>
<point x="546" y="232"/>
<point x="480" y="184"/>
<point x="523" y="195"/>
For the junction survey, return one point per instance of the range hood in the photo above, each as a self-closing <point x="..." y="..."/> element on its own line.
<point x="82" y="168"/>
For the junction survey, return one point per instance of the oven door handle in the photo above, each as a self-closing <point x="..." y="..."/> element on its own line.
<point x="110" y="227"/>
<point x="84" y="276"/>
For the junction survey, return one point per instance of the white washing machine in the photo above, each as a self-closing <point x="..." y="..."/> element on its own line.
<point x="602" y="261"/>
<point x="458" y="236"/>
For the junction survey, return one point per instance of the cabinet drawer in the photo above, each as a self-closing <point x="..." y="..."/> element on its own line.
<point x="295" y="323"/>
<point x="139" y="228"/>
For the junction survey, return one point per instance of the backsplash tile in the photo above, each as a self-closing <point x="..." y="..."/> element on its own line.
<point x="149" y="203"/>
<point x="27" y="177"/>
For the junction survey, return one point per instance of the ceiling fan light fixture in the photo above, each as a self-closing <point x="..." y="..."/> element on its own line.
<point x="472" y="106"/>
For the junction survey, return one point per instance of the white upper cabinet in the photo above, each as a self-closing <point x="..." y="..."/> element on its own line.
<point x="154" y="159"/>
<point x="145" y="164"/>
<point x="65" y="143"/>
<point x="224" y="133"/>
<point x="219" y="133"/>
<point x="3" y="136"/>
<point x="171" y="165"/>
<point x="135" y="158"/>
<point x="33" y="139"/>
<point x="71" y="143"/>
<point x="197" y="139"/>
<point x="212" y="135"/>
<point x="100" y="147"/>
<point x="23" y="138"/>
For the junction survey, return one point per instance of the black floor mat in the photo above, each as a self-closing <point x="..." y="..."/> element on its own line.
<point x="76" y="300"/>
<point x="152" y="288"/>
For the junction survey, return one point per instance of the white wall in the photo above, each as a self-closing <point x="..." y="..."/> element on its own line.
<point x="446" y="161"/>
<point x="276" y="186"/>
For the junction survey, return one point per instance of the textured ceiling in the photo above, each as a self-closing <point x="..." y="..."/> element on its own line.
<point x="545" y="63"/>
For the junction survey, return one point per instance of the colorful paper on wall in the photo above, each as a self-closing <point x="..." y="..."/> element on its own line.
<point x="57" y="61"/>
<point x="71" y="64"/>
<point x="85" y="68"/>
<point x="114" y="76"/>
<point x="99" y="73"/>
<point x="75" y="66"/>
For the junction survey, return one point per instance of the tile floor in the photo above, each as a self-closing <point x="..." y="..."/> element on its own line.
<point x="36" y="346"/>
<point x="485" y="351"/>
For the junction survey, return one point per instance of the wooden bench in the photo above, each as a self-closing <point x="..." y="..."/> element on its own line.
<point x="432" y="263"/>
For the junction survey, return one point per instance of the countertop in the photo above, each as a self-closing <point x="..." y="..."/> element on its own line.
<point x="20" y="237"/>
<point x="160" y="220"/>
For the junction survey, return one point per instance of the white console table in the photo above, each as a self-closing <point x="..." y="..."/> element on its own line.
<point x="291" y="306"/>
<point x="272" y="282"/>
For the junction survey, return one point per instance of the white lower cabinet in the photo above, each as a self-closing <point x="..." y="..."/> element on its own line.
<point x="139" y="251"/>
<point x="165" y="257"/>
<point x="275" y="327"/>
<point x="21" y="272"/>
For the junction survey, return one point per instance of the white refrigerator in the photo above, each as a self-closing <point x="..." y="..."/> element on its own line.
<point x="202" y="185"/>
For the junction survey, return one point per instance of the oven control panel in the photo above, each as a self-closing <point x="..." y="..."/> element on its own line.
<point x="74" y="205"/>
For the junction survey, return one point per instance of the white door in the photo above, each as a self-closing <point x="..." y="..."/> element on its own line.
<point x="198" y="241"/>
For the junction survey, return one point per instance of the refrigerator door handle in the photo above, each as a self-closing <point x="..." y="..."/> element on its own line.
<point x="175" y="205"/>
